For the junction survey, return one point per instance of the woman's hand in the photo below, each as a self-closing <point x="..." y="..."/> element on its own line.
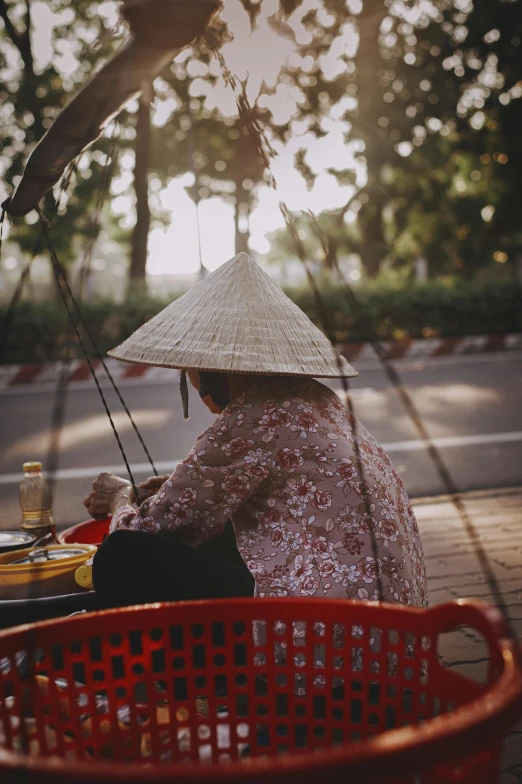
<point x="151" y="486"/>
<point x="108" y="492"/>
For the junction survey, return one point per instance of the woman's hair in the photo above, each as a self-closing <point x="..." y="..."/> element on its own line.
<point x="214" y="385"/>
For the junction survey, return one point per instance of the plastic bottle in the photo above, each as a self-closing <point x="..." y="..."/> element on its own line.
<point x="36" y="502"/>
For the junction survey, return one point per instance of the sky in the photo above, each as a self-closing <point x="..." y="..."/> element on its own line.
<point x="175" y="249"/>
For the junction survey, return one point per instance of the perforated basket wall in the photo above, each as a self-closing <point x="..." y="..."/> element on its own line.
<point x="225" y="689"/>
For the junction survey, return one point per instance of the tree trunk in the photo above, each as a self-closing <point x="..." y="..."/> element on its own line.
<point x="245" y="152"/>
<point x="202" y="271"/>
<point x="373" y="245"/>
<point x="368" y="62"/>
<point x="242" y="237"/>
<point x="140" y="234"/>
<point x="241" y="209"/>
<point x="30" y="82"/>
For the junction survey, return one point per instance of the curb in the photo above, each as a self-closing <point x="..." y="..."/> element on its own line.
<point x="49" y="373"/>
<point x="43" y="374"/>
<point x="435" y="347"/>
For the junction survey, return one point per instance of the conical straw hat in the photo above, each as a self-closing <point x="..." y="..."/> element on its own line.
<point x="237" y="320"/>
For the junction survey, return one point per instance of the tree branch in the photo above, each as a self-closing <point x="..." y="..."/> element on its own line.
<point x="10" y="28"/>
<point x="341" y="212"/>
<point x="27" y="36"/>
<point x="21" y="41"/>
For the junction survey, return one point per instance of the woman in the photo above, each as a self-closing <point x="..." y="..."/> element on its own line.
<point x="316" y="505"/>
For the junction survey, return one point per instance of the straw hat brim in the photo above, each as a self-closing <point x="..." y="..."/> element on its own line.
<point x="237" y="320"/>
<point x="339" y="374"/>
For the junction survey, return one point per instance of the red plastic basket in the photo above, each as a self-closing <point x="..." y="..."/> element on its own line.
<point x="89" y="532"/>
<point x="273" y="690"/>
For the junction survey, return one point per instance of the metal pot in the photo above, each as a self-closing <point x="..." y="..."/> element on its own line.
<point x="45" y="571"/>
<point x="15" y="540"/>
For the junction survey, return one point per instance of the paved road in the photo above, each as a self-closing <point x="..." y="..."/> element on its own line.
<point x="470" y="405"/>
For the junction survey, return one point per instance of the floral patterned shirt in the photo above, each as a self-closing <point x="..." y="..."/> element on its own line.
<point x="283" y="461"/>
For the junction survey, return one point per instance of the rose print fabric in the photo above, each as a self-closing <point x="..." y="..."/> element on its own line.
<point x="281" y="462"/>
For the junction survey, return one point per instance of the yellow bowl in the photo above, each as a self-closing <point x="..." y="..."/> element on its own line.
<point x="53" y="577"/>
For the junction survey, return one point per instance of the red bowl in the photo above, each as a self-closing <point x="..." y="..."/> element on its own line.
<point x="89" y="532"/>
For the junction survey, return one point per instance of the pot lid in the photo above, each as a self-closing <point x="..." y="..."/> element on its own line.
<point x="43" y="554"/>
<point x="15" y="540"/>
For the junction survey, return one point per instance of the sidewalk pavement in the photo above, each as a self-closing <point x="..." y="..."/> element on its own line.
<point x="454" y="572"/>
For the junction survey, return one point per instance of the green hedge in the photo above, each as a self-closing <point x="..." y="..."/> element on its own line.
<point x="435" y="309"/>
<point x="40" y="332"/>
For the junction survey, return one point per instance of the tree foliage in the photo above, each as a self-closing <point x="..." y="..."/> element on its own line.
<point x="427" y="96"/>
<point x="33" y="89"/>
<point x="431" y="105"/>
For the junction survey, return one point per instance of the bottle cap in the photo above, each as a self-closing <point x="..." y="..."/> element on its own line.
<point x="30" y="467"/>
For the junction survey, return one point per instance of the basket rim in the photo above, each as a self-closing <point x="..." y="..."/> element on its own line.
<point x="78" y="527"/>
<point x="482" y="720"/>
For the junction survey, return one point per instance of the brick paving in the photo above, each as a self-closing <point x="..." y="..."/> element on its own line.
<point x="455" y="572"/>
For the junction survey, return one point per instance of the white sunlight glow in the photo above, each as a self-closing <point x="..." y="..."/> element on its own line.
<point x="256" y="56"/>
<point x="175" y="250"/>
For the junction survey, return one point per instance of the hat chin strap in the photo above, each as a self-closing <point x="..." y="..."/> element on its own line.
<point x="183" y="388"/>
<point x="204" y="393"/>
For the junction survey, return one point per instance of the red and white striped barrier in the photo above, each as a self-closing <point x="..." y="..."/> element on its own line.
<point x="49" y="373"/>
<point x="435" y="347"/>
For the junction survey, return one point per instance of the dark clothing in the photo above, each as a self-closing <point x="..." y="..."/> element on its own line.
<point x="132" y="567"/>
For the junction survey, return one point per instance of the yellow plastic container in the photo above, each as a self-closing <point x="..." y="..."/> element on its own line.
<point x="42" y="571"/>
<point x="83" y="577"/>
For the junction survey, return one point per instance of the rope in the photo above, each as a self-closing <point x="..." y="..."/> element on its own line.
<point x="414" y="414"/>
<point x="105" y="181"/>
<point x="2" y="218"/>
<point x="9" y="316"/>
<point x="435" y="455"/>
<point x="93" y="342"/>
<point x="63" y="287"/>
<point x="60" y="399"/>
<point x="267" y="152"/>
<point x="330" y="333"/>
<point x="45" y="223"/>
<point x="57" y="420"/>
<point x="193" y="168"/>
